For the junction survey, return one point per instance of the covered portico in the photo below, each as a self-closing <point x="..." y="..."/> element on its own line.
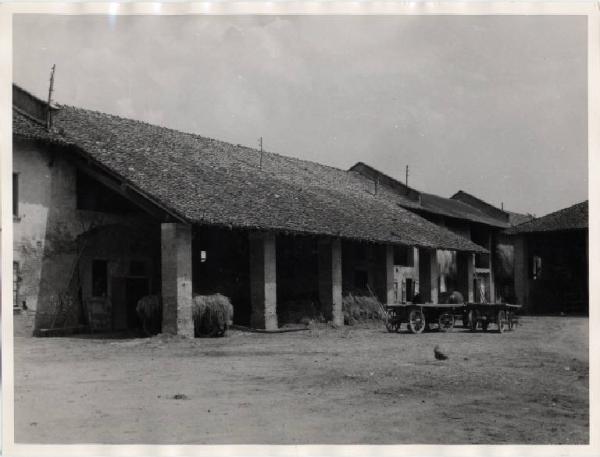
<point x="323" y="279"/>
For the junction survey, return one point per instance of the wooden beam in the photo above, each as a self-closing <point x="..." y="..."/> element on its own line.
<point x="126" y="191"/>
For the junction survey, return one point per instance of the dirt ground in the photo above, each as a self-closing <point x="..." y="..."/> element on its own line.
<point x="356" y="385"/>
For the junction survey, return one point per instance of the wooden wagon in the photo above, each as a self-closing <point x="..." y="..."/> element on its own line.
<point x="420" y="316"/>
<point x="481" y="315"/>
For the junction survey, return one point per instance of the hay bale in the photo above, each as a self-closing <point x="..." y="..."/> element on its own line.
<point x="149" y="310"/>
<point x="212" y="315"/>
<point x="360" y="308"/>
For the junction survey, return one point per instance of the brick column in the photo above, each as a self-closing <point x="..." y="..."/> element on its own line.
<point x="176" y="268"/>
<point x="521" y="269"/>
<point x="263" y="281"/>
<point x="465" y="263"/>
<point x="429" y="273"/>
<point x="330" y="279"/>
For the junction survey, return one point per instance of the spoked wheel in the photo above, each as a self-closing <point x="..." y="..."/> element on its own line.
<point x="446" y="322"/>
<point x="391" y="324"/>
<point x="473" y="318"/>
<point x="502" y="323"/>
<point x="466" y="321"/>
<point x="416" y="321"/>
<point x="512" y="321"/>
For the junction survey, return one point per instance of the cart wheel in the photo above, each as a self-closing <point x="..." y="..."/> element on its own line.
<point x="416" y="321"/>
<point x="512" y="321"/>
<point x="389" y="323"/>
<point x="501" y="321"/>
<point x="466" y="322"/>
<point x="473" y="318"/>
<point x="446" y="322"/>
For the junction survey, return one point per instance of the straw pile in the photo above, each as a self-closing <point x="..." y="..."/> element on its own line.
<point x="212" y="315"/>
<point x="358" y="308"/>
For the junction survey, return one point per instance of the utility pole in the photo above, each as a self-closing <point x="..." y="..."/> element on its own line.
<point x="50" y="90"/>
<point x="406" y="179"/>
<point x="261" y="151"/>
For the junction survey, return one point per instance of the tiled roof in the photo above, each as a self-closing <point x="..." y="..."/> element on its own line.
<point x="206" y="181"/>
<point x="429" y="203"/>
<point x="572" y="218"/>
<point x="458" y="210"/>
<point x="499" y="213"/>
<point x="518" y="218"/>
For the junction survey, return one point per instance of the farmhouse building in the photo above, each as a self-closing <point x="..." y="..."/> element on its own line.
<point x="551" y="261"/>
<point x="107" y="210"/>
<point x="469" y="217"/>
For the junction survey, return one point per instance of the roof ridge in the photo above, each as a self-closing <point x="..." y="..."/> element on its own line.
<point x="200" y="136"/>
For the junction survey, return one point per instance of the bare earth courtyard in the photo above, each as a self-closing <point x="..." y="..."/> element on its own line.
<point x="349" y="386"/>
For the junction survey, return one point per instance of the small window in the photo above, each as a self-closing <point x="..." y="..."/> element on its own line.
<point x="137" y="268"/>
<point x="15" y="284"/>
<point x="99" y="278"/>
<point x="202" y="256"/>
<point x="536" y="267"/>
<point x="404" y="255"/>
<point x="15" y="194"/>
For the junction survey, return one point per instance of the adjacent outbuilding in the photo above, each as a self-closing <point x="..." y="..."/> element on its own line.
<point x="551" y="262"/>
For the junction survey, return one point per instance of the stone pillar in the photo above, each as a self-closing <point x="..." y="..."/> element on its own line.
<point x="465" y="265"/>
<point x="330" y="279"/>
<point x="176" y="268"/>
<point x="429" y="272"/>
<point x="521" y="269"/>
<point x="382" y="273"/>
<point x="492" y="249"/>
<point x="263" y="281"/>
<point x="389" y="275"/>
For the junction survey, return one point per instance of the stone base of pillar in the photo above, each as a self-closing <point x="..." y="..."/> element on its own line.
<point x="263" y="281"/>
<point x="176" y="269"/>
<point x="330" y="279"/>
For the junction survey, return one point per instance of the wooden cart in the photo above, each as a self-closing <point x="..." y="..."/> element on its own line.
<point x="419" y="316"/>
<point x="481" y="315"/>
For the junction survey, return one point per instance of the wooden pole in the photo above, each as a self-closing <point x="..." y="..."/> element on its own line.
<point x="50" y="90"/>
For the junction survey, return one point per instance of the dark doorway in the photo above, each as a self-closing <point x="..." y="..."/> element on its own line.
<point x="126" y="291"/>
<point x="135" y="289"/>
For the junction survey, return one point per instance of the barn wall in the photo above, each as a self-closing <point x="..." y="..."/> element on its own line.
<point x="562" y="285"/>
<point x="47" y="226"/>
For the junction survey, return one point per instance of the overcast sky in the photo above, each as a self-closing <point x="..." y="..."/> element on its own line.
<point x="495" y="106"/>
